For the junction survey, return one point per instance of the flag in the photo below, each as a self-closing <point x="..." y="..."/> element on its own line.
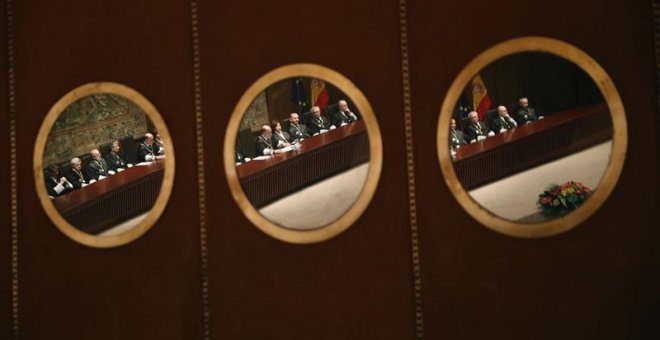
<point x="480" y="99"/>
<point x="320" y="95"/>
<point x="464" y="105"/>
<point x="299" y="97"/>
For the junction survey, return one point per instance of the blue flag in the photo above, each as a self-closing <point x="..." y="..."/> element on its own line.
<point x="464" y="106"/>
<point x="299" y="97"/>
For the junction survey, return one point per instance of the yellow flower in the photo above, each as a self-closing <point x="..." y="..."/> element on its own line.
<point x="555" y="203"/>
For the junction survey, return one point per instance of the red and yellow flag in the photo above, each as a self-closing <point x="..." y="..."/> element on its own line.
<point x="480" y="99"/>
<point x="320" y="95"/>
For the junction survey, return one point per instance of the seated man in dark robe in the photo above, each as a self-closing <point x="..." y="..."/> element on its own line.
<point x="318" y="123"/>
<point x="525" y="114"/>
<point x="148" y="150"/>
<point x="503" y="121"/>
<point x="475" y="130"/>
<point x="456" y="137"/>
<point x="297" y="131"/>
<point x="77" y="177"/>
<point x="116" y="159"/>
<point x="264" y="144"/>
<point x="97" y="167"/>
<point x="56" y="183"/>
<point x="344" y="115"/>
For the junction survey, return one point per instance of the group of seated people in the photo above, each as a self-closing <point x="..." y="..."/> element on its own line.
<point x="274" y="140"/>
<point x="475" y="130"/>
<point x="59" y="183"/>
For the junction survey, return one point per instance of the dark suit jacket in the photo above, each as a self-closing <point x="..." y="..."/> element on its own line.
<point x="340" y="117"/>
<point x="144" y="150"/>
<point x="51" y="183"/>
<point x="97" y="168"/>
<point x="77" y="178"/>
<point x="526" y="115"/>
<point x="498" y="124"/>
<point x="116" y="161"/>
<point x="275" y="140"/>
<point x="457" y="138"/>
<point x="297" y="132"/>
<point x="262" y="144"/>
<point x="315" y="126"/>
<point x="471" y="131"/>
<point x="240" y="154"/>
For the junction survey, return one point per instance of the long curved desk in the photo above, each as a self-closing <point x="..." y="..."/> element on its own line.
<point x="526" y="146"/>
<point x="105" y="203"/>
<point x="321" y="156"/>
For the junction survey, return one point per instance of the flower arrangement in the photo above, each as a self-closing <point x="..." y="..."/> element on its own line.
<point x="563" y="198"/>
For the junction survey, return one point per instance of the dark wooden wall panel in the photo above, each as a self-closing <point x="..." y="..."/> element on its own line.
<point x="149" y="288"/>
<point x="5" y="217"/>
<point x="359" y="284"/>
<point x="599" y="280"/>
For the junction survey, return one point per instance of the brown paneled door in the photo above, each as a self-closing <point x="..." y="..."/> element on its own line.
<point x="149" y="288"/>
<point x="357" y="285"/>
<point x="597" y="281"/>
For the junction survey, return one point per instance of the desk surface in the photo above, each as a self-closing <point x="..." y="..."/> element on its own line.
<point x="523" y="147"/>
<point x="523" y="131"/>
<point x="307" y="145"/>
<point x="99" y="188"/>
<point x="319" y="157"/>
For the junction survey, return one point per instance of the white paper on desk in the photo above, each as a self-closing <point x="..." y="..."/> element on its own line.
<point x="144" y="163"/>
<point x="260" y="158"/>
<point x="324" y="131"/>
<point x="120" y="169"/>
<point x="101" y="177"/>
<point x="286" y="149"/>
<point x="58" y="188"/>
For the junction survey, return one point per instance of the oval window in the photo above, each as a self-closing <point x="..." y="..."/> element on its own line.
<point x="303" y="153"/>
<point x="532" y="137"/>
<point x="104" y="164"/>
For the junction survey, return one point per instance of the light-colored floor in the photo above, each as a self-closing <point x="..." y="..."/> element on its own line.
<point x="127" y="225"/>
<point x="515" y="197"/>
<point x="320" y="203"/>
